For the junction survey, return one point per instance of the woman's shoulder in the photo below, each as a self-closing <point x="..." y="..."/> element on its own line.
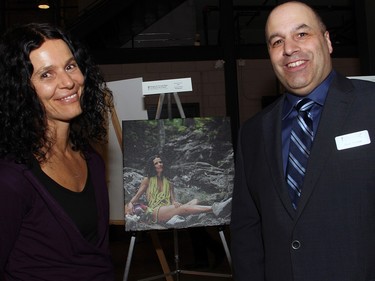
<point x="146" y="180"/>
<point x="93" y="157"/>
<point x="9" y="167"/>
<point x="13" y="177"/>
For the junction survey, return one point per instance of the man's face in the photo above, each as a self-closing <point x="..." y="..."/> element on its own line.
<point x="299" y="48"/>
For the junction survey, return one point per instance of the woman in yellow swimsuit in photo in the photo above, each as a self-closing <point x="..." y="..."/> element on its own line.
<point x="161" y="201"/>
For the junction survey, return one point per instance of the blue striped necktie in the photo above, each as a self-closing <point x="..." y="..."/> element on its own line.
<point x="299" y="149"/>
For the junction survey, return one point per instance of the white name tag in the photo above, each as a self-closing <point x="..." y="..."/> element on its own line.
<point x="352" y="140"/>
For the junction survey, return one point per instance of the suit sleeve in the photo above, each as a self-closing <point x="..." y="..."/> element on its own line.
<point x="246" y="234"/>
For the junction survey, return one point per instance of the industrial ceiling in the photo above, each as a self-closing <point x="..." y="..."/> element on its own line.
<point x="111" y="28"/>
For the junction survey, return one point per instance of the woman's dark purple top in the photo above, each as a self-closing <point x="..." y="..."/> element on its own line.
<point x="39" y="241"/>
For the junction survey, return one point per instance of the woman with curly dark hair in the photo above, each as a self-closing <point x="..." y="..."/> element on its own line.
<point x="54" y="210"/>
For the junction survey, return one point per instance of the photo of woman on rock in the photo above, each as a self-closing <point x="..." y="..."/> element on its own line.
<point x="156" y="199"/>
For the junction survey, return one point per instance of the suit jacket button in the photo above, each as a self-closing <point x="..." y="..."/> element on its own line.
<point x="296" y="245"/>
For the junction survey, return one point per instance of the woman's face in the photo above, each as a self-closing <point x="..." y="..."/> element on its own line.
<point x="158" y="164"/>
<point x="57" y="81"/>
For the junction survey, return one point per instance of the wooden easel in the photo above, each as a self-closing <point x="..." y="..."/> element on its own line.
<point x="154" y="237"/>
<point x="168" y="274"/>
<point x="160" y="106"/>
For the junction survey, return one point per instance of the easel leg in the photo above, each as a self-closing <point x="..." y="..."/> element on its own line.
<point x="176" y="254"/>
<point x="160" y="106"/>
<point x="161" y="256"/>
<point x="226" y="249"/>
<point x="179" y="105"/>
<point x="169" y="103"/>
<point x="129" y="258"/>
<point x="204" y="273"/>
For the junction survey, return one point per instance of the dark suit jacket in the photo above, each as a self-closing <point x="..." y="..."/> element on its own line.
<point x="331" y="237"/>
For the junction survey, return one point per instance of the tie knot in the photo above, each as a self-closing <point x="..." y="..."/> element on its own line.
<point x="304" y="105"/>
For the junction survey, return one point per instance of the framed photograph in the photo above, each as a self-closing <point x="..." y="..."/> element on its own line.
<point x="178" y="173"/>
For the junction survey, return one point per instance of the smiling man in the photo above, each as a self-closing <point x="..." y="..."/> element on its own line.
<point x="299" y="48"/>
<point x="303" y="204"/>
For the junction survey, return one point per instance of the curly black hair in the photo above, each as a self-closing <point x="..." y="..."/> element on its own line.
<point x="23" y="126"/>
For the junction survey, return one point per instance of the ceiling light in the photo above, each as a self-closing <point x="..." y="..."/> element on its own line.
<point x="43" y="4"/>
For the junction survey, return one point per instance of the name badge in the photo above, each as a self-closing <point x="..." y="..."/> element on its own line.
<point x="352" y="140"/>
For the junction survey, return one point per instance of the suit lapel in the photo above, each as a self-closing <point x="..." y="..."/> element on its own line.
<point x="272" y="137"/>
<point x="334" y="115"/>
